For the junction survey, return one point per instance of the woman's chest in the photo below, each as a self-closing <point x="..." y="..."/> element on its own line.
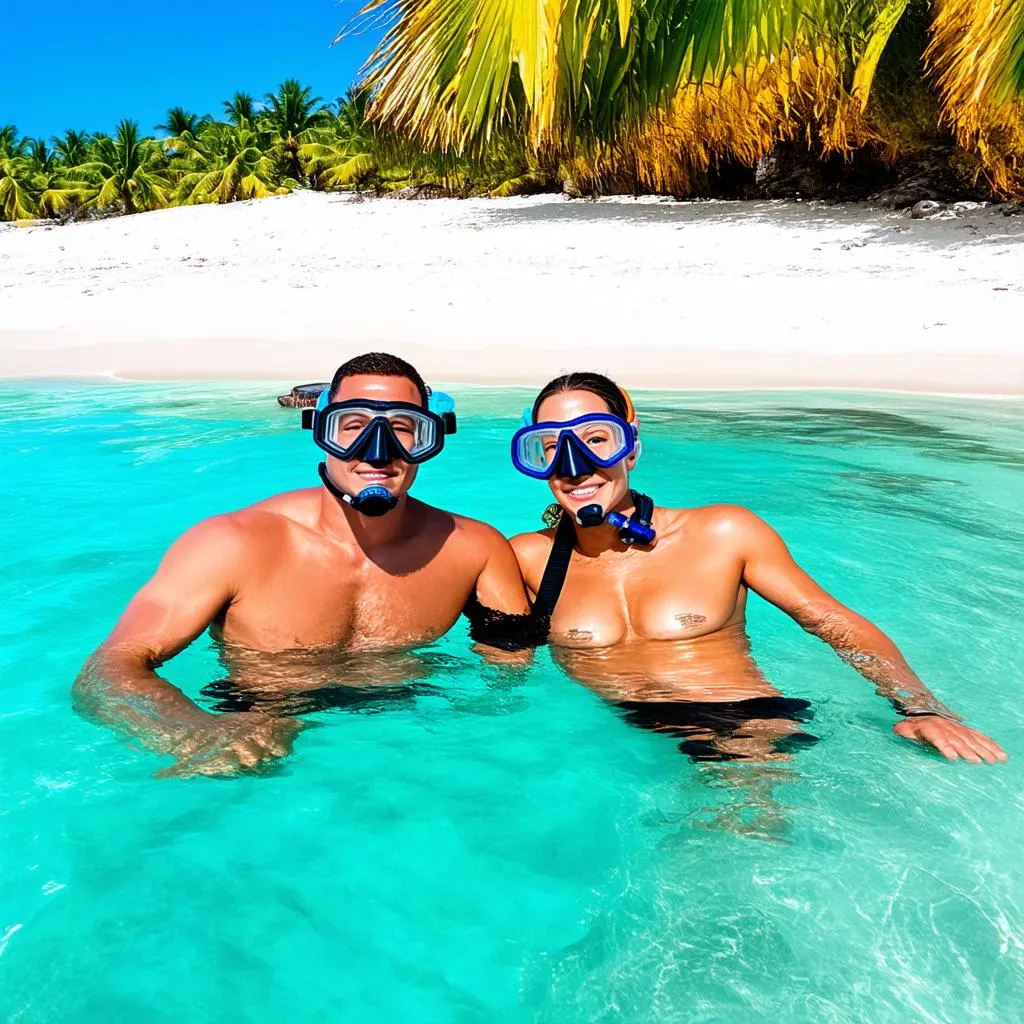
<point x="647" y="595"/>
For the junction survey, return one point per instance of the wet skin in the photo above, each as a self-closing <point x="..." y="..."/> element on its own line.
<point x="667" y="622"/>
<point x="303" y="575"/>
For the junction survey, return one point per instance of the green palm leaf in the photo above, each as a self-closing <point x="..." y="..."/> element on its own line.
<point x="453" y="72"/>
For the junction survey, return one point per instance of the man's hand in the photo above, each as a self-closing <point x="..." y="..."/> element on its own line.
<point x="951" y="739"/>
<point x="232" y="743"/>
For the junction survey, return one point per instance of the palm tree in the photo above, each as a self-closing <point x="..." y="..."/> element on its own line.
<point x="617" y="83"/>
<point x="228" y="162"/>
<point x="179" y="120"/>
<point x="290" y="112"/>
<point x="344" y="150"/>
<point x="241" y="107"/>
<point x="41" y="155"/>
<point x="977" y="53"/>
<point x="71" y="148"/>
<point x="19" y="189"/>
<point x="126" y="170"/>
<point x="11" y="143"/>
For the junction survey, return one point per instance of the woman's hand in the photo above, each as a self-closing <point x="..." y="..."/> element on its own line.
<point x="951" y="739"/>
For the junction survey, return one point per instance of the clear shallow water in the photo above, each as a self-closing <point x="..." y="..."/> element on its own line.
<point x="510" y="850"/>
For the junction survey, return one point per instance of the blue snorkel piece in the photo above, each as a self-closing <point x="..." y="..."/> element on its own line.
<point x="631" y="531"/>
<point x="442" y="404"/>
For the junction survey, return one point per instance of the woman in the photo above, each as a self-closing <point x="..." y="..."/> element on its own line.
<point x="646" y="604"/>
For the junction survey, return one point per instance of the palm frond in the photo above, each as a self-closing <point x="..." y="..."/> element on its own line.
<point x="977" y="57"/>
<point x="451" y="73"/>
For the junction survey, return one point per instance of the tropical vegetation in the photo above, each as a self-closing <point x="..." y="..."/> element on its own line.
<point x="290" y="139"/>
<point x="653" y="93"/>
<point x="505" y="96"/>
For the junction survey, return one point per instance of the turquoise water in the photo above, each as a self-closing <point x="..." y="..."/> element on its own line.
<point x="507" y="849"/>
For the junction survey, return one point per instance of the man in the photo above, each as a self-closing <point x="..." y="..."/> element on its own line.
<point x="354" y="565"/>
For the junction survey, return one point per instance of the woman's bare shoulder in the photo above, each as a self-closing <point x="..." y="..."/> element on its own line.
<point x="718" y="520"/>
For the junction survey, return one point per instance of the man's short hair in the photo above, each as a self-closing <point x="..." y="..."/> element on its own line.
<point x="379" y="364"/>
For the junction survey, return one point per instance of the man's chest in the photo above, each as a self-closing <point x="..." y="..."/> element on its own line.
<point x="346" y="602"/>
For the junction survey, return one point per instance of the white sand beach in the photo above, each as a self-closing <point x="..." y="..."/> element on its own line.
<point x="654" y="292"/>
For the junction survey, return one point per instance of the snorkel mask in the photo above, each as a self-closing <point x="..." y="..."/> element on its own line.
<point x="378" y="433"/>
<point x="578" y="447"/>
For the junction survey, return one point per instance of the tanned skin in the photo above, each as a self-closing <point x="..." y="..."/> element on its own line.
<point x="299" y="572"/>
<point x="667" y="622"/>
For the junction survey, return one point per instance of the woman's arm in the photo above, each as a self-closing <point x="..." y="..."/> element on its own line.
<point x="769" y="570"/>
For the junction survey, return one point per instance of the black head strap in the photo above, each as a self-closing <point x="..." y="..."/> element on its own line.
<point x="558" y="566"/>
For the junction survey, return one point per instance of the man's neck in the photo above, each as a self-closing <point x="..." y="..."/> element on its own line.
<point x="341" y="521"/>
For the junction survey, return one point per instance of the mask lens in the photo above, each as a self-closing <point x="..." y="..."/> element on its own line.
<point x="415" y="432"/>
<point x="605" y="439"/>
<point x="344" y="428"/>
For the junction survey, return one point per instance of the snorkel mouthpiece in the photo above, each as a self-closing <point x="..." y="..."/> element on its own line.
<point x="591" y="515"/>
<point x="373" y="501"/>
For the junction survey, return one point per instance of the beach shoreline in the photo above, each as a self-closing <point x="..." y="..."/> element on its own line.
<point x="703" y="296"/>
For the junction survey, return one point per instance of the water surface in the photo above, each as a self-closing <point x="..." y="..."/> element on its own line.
<point x="507" y="848"/>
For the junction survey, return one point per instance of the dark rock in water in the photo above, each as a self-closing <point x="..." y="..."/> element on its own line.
<point x="302" y="396"/>
<point x="1013" y="209"/>
<point x="926" y="209"/>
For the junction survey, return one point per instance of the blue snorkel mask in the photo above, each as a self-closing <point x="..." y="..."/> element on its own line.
<point x="378" y="433"/>
<point x="577" y="448"/>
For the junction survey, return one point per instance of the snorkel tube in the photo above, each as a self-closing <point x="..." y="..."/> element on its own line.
<point x="377" y="446"/>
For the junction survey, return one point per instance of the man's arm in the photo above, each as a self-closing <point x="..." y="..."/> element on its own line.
<point x="501" y="621"/>
<point x="118" y="685"/>
<point x="769" y="570"/>
<point x="500" y="584"/>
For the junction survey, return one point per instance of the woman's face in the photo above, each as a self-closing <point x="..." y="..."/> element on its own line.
<point x="609" y="487"/>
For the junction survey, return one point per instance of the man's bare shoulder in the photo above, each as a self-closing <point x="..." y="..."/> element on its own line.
<point x="255" y="524"/>
<point x="476" y="532"/>
<point x="301" y="507"/>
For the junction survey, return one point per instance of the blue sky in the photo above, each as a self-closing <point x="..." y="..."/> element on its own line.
<point x="69" y="66"/>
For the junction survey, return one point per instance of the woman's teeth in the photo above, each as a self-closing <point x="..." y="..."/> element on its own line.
<point x="584" y="492"/>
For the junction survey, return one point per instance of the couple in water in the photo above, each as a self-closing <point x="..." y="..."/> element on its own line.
<point x="640" y="603"/>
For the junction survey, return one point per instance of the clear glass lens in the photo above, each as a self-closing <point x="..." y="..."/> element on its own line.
<point x="415" y="432"/>
<point x="605" y="439"/>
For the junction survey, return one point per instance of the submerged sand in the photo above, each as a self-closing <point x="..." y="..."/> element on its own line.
<point x="654" y="292"/>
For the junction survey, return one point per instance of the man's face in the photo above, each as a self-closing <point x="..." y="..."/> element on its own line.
<point x="355" y="476"/>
